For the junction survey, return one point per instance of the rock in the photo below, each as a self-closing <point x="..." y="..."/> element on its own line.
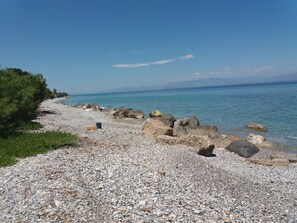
<point x="124" y="112"/>
<point x="168" y="119"/>
<point x="208" y="128"/>
<point x="134" y="114"/>
<point x="119" y="113"/>
<point x="58" y="203"/>
<point x="110" y="110"/>
<point x="155" y="114"/>
<point x="95" y="107"/>
<point x="233" y="138"/>
<point x="269" y="162"/>
<point x="154" y="127"/>
<point x="80" y="105"/>
<point x="165" y="139"/>
<point x="242" y="148"/>
<point x="87" y="106"/>
<point x="89" y="109"/>
<point x="183" y="126"/>
<point x="202" y="144"/>
<point x="255" y="139"/>
<point x="257" y="126"/>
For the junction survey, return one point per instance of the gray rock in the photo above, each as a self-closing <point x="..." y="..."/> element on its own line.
<point x="134" y="114"/>
<point x="168" y="119"/>
<point x="183" y="126"/>
<point x="243" y="148"/>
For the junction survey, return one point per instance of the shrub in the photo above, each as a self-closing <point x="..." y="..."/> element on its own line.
<point x="20" y="94"/>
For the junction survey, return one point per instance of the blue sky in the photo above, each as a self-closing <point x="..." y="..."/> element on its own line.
<point x="93" y="45"/>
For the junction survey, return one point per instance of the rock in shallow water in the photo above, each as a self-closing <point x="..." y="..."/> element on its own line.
<point x="257" y="126"/>
<point x="243" y="148"/>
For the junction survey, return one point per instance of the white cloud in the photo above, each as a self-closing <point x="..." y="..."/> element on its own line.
<point x="186" y="57"/>
<point x="162" y="61"/>
<point x="157" y="62"/>
<point x="130" y="65"/>
<point x="263" y="69"/>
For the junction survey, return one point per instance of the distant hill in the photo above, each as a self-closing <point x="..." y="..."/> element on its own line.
<point x="207" y="82"/>
<point x="285" y="77"/>
<point x="231" y="81"/>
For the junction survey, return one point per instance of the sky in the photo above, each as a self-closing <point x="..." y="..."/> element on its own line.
<point x="88" y="46"/>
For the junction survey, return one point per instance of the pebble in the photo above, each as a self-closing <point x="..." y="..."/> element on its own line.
<point x="120" y="175"/>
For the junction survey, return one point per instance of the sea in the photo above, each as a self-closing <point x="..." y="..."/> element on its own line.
<point x="229" y="108"/>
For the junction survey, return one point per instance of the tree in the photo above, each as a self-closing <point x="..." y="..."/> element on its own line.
<point x="20" y="94"/>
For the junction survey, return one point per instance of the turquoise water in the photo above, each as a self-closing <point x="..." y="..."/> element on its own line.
<point x="229" y="108"/>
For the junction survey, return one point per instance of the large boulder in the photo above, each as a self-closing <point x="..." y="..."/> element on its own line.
<point x="155" y="114"/>
<point x="183" y="126"/>
<point x="202" y="144"/>
<point x="154" y="127"/>
<point x="133" y="114"/>
<point x="257" y="126"/>
<point x="243" y="148"/>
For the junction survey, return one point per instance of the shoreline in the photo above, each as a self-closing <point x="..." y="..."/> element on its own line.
<point x="119" y="174"/>
<point x="275" y="145"/>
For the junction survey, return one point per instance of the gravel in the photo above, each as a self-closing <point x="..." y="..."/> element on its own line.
<point x="117" y="174"/>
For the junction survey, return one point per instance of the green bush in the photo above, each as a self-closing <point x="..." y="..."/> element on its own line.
<point x="20" y="94"/>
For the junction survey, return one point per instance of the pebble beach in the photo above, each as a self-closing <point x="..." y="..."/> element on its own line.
<point x="118" y="174"/>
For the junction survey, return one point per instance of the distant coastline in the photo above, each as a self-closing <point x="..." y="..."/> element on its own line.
<point x="189" y="88"/>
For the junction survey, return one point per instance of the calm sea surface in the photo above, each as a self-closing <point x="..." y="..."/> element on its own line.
<point x="229" y="108"/>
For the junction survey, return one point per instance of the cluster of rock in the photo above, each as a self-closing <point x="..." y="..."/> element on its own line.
<point x="186" y="131"/>
<point x="124" y="112"/>
<point x="89" y="107"/>
<point x="117" y="113"/>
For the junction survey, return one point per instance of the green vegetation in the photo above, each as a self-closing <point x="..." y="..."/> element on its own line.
<point x="30" y="126"/>
<point x="20" y="95"/>
<point x="19" y="145"/>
